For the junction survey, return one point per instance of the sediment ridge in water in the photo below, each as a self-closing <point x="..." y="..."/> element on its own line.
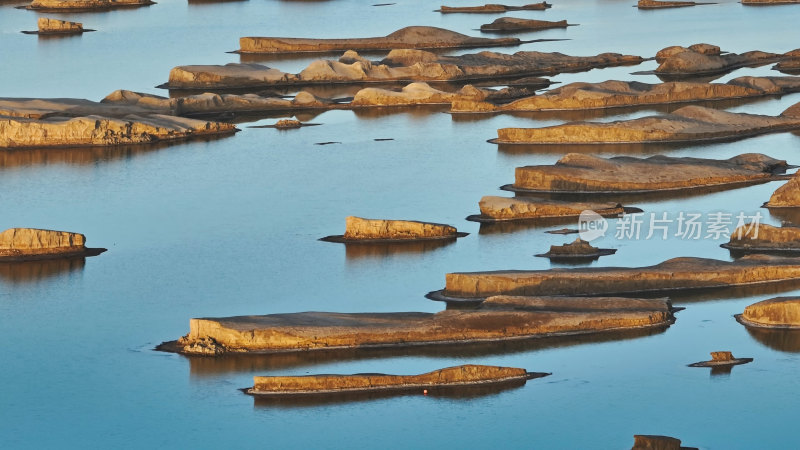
<point x="655" y="4"/>
<point x="46" y="26"/>
<point x="24" y="244"/>
<point x="500" y="209"/>
<point x="687" y="124"/>
<point x="582" y="173"/>
<point x="495" y="319"/>
<point x="706" y="59"/>
<point x="458" y="376"/>
<point x="616" y="94"/>
<point x="769" y="2"/>
<point x="415" y="37"/>
<point x="399" y="66"/>
<point x="492" y="8"/>
<point x="673" y="275"/>
<point x="85" y="5"/>
<point x="359" y="230"/>
<point x="762" y="237"/>
<point x="504" y="24"/>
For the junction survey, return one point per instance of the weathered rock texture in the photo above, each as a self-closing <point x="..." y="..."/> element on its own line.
<point x="582" y="173"/>
<point x="722" y="359"/>
<point x="769" y="2"/>
<point x="521" y="208"/>
<point x="516" y="24"/>
<point x="687" y="124"/>
<point x="653" y="442"/>
<point x="786" y="196"/>
<point x="31" y="243"/>
<point x="85" y="5"/>
<point x="704" y="59"/>
<point x="497" y="318"/>
<point x="399" y="66"/>
<point x="613" y="94"/>
<point x="778" y="312"/>
<point x="764" y="237"/>
<point x="579" y="249"/>
<point x="408" y="37"/>
<point x="672" y="275"/>
<point x="494" y="8"/>
<point x="357" y="228"/>
<point x="415" y="94"/>
<point x="466" y="375"/>
<point x="48" y="26"/>
<point x="655" y="4"/>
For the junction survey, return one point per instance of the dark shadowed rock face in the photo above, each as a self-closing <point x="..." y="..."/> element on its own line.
<point x="515" y="24"/>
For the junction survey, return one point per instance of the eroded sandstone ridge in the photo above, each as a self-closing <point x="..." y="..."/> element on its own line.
<point x="55" y="26"/>
<point x="85" y="5"/>
<point x="786" y="196"/>
<point x="517" y="24"/>
<point x="582" y="173"/>
<point x="405" y="38"/>
<point x="654" y="442"/>
<point x="577" y="250"/>
<point x="359" y="229"/>
<point x="764" y="237"/>
<point x="705" y="59"/>
<point x="498" y="209"/>
<point x="494" y="8"/>
<point x="415" y="94"/>
<point x="497" y="318"/>
<point x="19" y="244"/>
<point x="778" y="312"/>
<point x="677" y="274"/>
<point x="399" y="66"/>
<point x="687" y="124"/>
<point x="614" y="94"/>
<point x="465" y="375"/>
<point x="769" y="2"/>
<point x="656" y="4"/>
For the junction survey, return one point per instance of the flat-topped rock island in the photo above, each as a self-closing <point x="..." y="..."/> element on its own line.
<point x="365" y="231"/>
<point x="27" y="244"/>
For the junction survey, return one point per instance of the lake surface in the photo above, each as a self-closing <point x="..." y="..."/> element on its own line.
<point x="230" y="226"/>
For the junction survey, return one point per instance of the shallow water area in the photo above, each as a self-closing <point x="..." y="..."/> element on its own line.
<point x="223" y="227"/>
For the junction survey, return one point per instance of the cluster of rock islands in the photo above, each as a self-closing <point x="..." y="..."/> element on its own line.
<point x="494" y="306"/>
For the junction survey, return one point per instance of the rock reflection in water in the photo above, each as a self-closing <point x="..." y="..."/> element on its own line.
<point x="35" y="271"/>
<point x="776" y="339"/>
<point x="379" y="251"/>
<point x="789" y="215"/>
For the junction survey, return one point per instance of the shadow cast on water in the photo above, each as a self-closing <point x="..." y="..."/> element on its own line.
<point x="24" y="272"/>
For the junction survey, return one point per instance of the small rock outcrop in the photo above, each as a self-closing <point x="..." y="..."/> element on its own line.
<point x="582" y="173"/>
<point x="786" y="196"/>
<point x="19" y="244"/>
<point x="677" y="274"/>
<point x="416" y="37"/>
<point x="466" y="375"/>
<point x="765" y="238"/>
<point x="719" y="359"/>
<point x="55" y="26"/>
<point x="578" y="249"/>
<point x="492" y="8"/>
<point x="494" y="319"/>
<point x="286" y="124"/>
<point x="778" y="312"/>
<point x="654" y="442"/>
<point x="516" y="24"/>
<point x="379" y="230"/>
<point x="85" y="5"/>
<point x="687" y="124"/>
<point x="497" y="209"/>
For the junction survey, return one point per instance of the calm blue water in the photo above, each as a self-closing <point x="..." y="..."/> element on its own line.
<point x="229" y="227"/>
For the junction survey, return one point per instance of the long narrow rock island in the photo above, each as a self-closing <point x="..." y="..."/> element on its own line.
<point x="431" y="382"/>
<point x="762" y="237"/>
<point x="656" y="4"/>
<point x="705" y="59"/>
<point x="26" y="244"/>
<point x="623" y="94"/>
<point x="512" y="24"/>
<point x="415" y="37"/>
<point x="586" y="174"/>
<point x="55" y="27"/>
<point x="399" y="66"/>
<point x="504" y="209"/>
<point x="673" y="275"/>
<point x="688" y="124"/>
<point x="495" y="319"/>
<point x="493" y="8"/>
<point x="85" y="5"/>
<point x="361" y="231"/>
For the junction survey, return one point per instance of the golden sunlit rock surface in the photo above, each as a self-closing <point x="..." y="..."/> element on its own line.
<point x="786" y="196"/>
<point x="495" y="208"/>
<point x="465" y="375"/>
<point x="578" y="172"/>
<point x="687" y="124"/>
<point x="417" y="37"/>
<point x="32" y="243"/>
<point x="671" y="275"/>
<point x="497" y="318"/>
<point x="764" y="237"/>
<point x="703" y="59"/>
<point x="610" y="94"/>
<point x="516" y="24"/>
<point x="415" y="94"/>
<point x="778" y="312"/>
<point x="357" y="228"/>
<point x="47" y="25"/>
<point x="494" y="8"/>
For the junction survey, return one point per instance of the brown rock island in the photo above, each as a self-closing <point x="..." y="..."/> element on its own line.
<point x="576" y="251"/>
<point x="494" y="319"/>
<point x="656" y="4"/>
<point x="620" y="94"/>
<point x="588" y="174"/>
<point x="399" y="66"/>
<point x="25" y="244"/>
<point x="504" y="24"/>
<point x="499" y="209"/>
<point x="673" y="275"/>
<point x="450" y="377"/>
<point x="688" y="124"/>
<point x="365" y="231"/>
<point x="654" y="442"/>
<point x="58" y="27"/>
<point x="786" y="196"/>
<point x="85" y="5"/>
<point x="769" y="2"/>
<point x="404" y="38"/>
<point x="764" y="238"/>
<point x="492" y="8"/>
<point x="721" y="359"/>
<point x="778" y="312"/>
<point x="705" y="59"/>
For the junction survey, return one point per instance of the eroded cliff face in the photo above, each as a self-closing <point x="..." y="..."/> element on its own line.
<point x="32" y="241"/>
<point x="787" y="195"/>
<point x="504" y="208"/>
<point x="58" y="26"/>
<point x="497" y="318"/>
<point x="415" y="94"/>
<point x="765" y="236"/>
<point x="778" y="312"/>
<point x="366" y="229"/>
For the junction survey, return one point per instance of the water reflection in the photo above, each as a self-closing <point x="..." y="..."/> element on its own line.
<point x="203" y="366"/>
<point x="33" y="271"/>
<point x="789" y="215"/>
<point x="776" y="339"/>
<point x="380" y="251"/>
<point x="513" y="226"/>
<point x="591" y="149"/>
